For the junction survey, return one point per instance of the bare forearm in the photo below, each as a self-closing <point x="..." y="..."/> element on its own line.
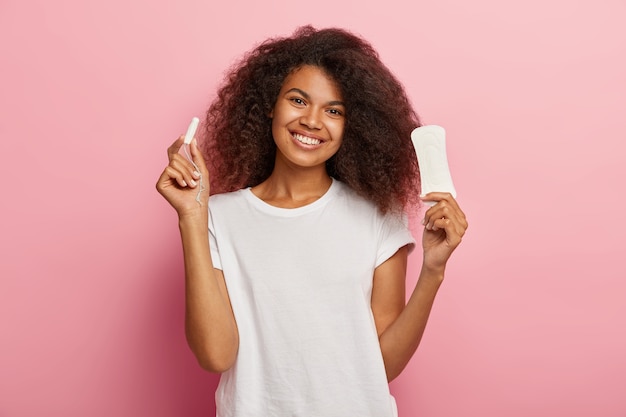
<point x="400" y="340"/>
<point x="209" y="323"/>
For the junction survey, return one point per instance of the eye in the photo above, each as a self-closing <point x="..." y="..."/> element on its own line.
<point x="297" y="100"/>
<point x="335" y="112"/>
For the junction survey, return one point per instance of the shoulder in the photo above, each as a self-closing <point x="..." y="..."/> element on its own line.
<point x="366" y="210"/>
<point x="228" y="197"/>
<point x="356" y="204"/>
<point x="347" y="194"/>
<point x="230" y="201"/>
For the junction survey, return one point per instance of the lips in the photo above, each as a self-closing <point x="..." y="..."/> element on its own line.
<point x="307" y="140"/>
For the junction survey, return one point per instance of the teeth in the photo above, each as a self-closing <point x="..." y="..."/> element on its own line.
<point x="306" y="140"/>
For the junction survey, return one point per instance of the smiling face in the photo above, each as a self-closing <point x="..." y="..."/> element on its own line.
<point x="308" y="119"/>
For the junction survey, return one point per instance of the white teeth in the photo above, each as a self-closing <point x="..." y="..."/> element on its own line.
<point x="306" y="140"/>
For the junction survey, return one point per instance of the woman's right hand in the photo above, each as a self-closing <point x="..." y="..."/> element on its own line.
<point x="180" y="182"/>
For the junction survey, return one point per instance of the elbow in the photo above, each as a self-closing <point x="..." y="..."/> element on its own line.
<point x="215" y="357"/>
<point x="214" y="366"/>
<point x="214" y="352"/>
<point x="395" y="361"/>
<point x="216" y="362"/>
<point x="392" y="373"/>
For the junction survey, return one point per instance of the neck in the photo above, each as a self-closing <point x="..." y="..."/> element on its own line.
<point x="289" y="188"/>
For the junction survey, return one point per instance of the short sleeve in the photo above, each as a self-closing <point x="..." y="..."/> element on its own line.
<point x="215" y="253"/>
<point x="394" y="233"/>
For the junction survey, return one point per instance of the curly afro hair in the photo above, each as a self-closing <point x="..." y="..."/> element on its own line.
<point x="376" y="158"/>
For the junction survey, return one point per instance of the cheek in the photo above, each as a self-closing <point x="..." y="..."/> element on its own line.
<point x="281" y="115"/>
<point x="278" y="125"/>
<point x="274" y="128"/>
<point x="338" y="129"/>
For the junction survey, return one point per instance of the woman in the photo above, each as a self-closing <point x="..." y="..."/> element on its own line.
<point x="295" y="266"/>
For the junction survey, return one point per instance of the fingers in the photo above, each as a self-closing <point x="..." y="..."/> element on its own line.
<point x="180" y="169"/>
<point x="436" y="197"/>
<point x="197" y="157"/>
<point x="184" y="182"/>
<point x="445" y="214"/>
<point x="183" y="173"/>
<point x="175" y="147"/>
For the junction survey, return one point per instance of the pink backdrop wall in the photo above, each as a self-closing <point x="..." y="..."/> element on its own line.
<point x="531" y="318"/>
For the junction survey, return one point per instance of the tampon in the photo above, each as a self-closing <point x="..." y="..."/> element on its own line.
<point x="191" y="130"/>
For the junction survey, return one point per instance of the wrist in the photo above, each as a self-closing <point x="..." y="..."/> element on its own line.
<point x="432" y="273"/>
<point x="195" y="219"/>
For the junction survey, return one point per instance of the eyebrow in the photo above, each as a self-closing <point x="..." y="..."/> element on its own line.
<point x="308" y="97"/>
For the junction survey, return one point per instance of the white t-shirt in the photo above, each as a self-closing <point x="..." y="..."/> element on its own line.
<point x="300" y="283"/>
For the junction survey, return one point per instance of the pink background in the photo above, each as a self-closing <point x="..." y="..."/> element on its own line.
<point x="531" y="318"/>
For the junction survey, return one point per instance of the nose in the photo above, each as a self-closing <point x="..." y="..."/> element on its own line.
<point x="311" y="119"/>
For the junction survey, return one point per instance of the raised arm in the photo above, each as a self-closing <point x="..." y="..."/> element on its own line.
<point x="400" y="327"/>
<point x="210" y="325"/>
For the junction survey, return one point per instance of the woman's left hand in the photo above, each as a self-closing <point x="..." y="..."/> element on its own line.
<point x="444" y="227"/>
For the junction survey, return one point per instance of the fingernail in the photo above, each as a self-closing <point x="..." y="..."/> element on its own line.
<point x="423" y="221"/>
<point x="196" y="174"/>
<point x="184" y="183"/>
<point x="193" y="183"/>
